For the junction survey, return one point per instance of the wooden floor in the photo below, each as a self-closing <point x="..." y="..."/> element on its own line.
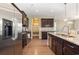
<point x="37" y="47"/>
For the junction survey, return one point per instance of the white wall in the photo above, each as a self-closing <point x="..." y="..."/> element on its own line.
<point x="59" y="25"/>
<point x="76" y="24"/>
<point x="16" y="18"/>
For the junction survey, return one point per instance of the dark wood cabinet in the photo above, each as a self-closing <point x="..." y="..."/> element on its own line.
<point x="28" y="38"/>
<point x="50" y="41"/>
<point x="25" y="20"/>
<point x="44" y="35"/>
<point x="53" y="44"/>
<point x="24" y="39"/>
<point x="70" y="48"/>
<point x="62" y="47"/>
<point x="47" y="22"/>
<point x="58" y="46"/>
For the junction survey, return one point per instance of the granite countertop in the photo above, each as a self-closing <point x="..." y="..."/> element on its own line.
<point x="74" y="40"/>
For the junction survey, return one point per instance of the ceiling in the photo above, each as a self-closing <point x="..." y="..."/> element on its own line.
<point x="8" y="7"/>
<point x="55" y="10"/>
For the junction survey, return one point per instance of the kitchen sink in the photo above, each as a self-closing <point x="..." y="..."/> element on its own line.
<point x="65" y="35"/>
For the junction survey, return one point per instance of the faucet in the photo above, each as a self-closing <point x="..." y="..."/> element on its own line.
<point x="68" y="29"/>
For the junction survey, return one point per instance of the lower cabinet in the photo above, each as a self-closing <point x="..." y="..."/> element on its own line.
<point x="62" y="47"/>
<point x="70" y="48"/>
<point x="24" y="40"/>
<point x="59" y="46"/>
<point x="49" y="41"/>
<point x="44" y="35"/>
<point x="53" y="42"/>
<point x="28" y="37"/>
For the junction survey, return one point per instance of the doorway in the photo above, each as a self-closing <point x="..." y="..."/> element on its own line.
<point x="35" y="27"/>
<point x="7" y="29"/>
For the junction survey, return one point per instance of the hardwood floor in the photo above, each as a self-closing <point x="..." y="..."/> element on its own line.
<point x="37" y="47"/>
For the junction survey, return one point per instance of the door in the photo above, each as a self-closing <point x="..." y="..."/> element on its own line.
<point x="35" y="27"/>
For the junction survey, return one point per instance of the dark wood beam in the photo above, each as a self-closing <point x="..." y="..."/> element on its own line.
<point x="22" y="12"/>
<point x="16" y="7"/>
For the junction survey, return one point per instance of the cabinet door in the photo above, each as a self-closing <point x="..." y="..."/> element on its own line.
<point x="44" y="35"/>
<point x="59" y="46"/>
<point x="53" y="44"/>
<point x="50" y="22"/>
<point x="43" y="22"/>
<point x="25" y="20"/>
<point x="70" y="48"/>
<point x="24" y="40"/>
<point x="50" y="42"/>
<point x="47" y="22"/>
<point x="67" y="51"/>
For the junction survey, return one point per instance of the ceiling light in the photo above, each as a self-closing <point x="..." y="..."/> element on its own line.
<point x="77" y="16"/>
<point x="65" y="13"/>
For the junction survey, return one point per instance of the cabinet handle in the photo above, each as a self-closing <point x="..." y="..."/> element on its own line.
<point x="71" y="46"/>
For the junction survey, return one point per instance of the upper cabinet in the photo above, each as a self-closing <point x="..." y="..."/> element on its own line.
<point x="25" y="20"/>
<point x="47" y="22"/>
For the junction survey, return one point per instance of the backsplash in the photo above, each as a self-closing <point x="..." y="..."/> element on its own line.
<point x="47" y="29"/>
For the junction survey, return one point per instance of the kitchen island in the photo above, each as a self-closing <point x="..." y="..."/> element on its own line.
<point x="62" y="44"/>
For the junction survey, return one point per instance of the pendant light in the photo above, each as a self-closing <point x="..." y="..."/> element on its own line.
<point x="77" y="16"/>
<point x="70" y="21"/>
<point x="65" y="12"/>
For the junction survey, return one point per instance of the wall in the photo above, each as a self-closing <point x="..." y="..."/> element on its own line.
<point x="76" y="25"/>
<point x="60" y="25"/>
<point x="10" y="15"/>
<point x="64" y="26"/>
